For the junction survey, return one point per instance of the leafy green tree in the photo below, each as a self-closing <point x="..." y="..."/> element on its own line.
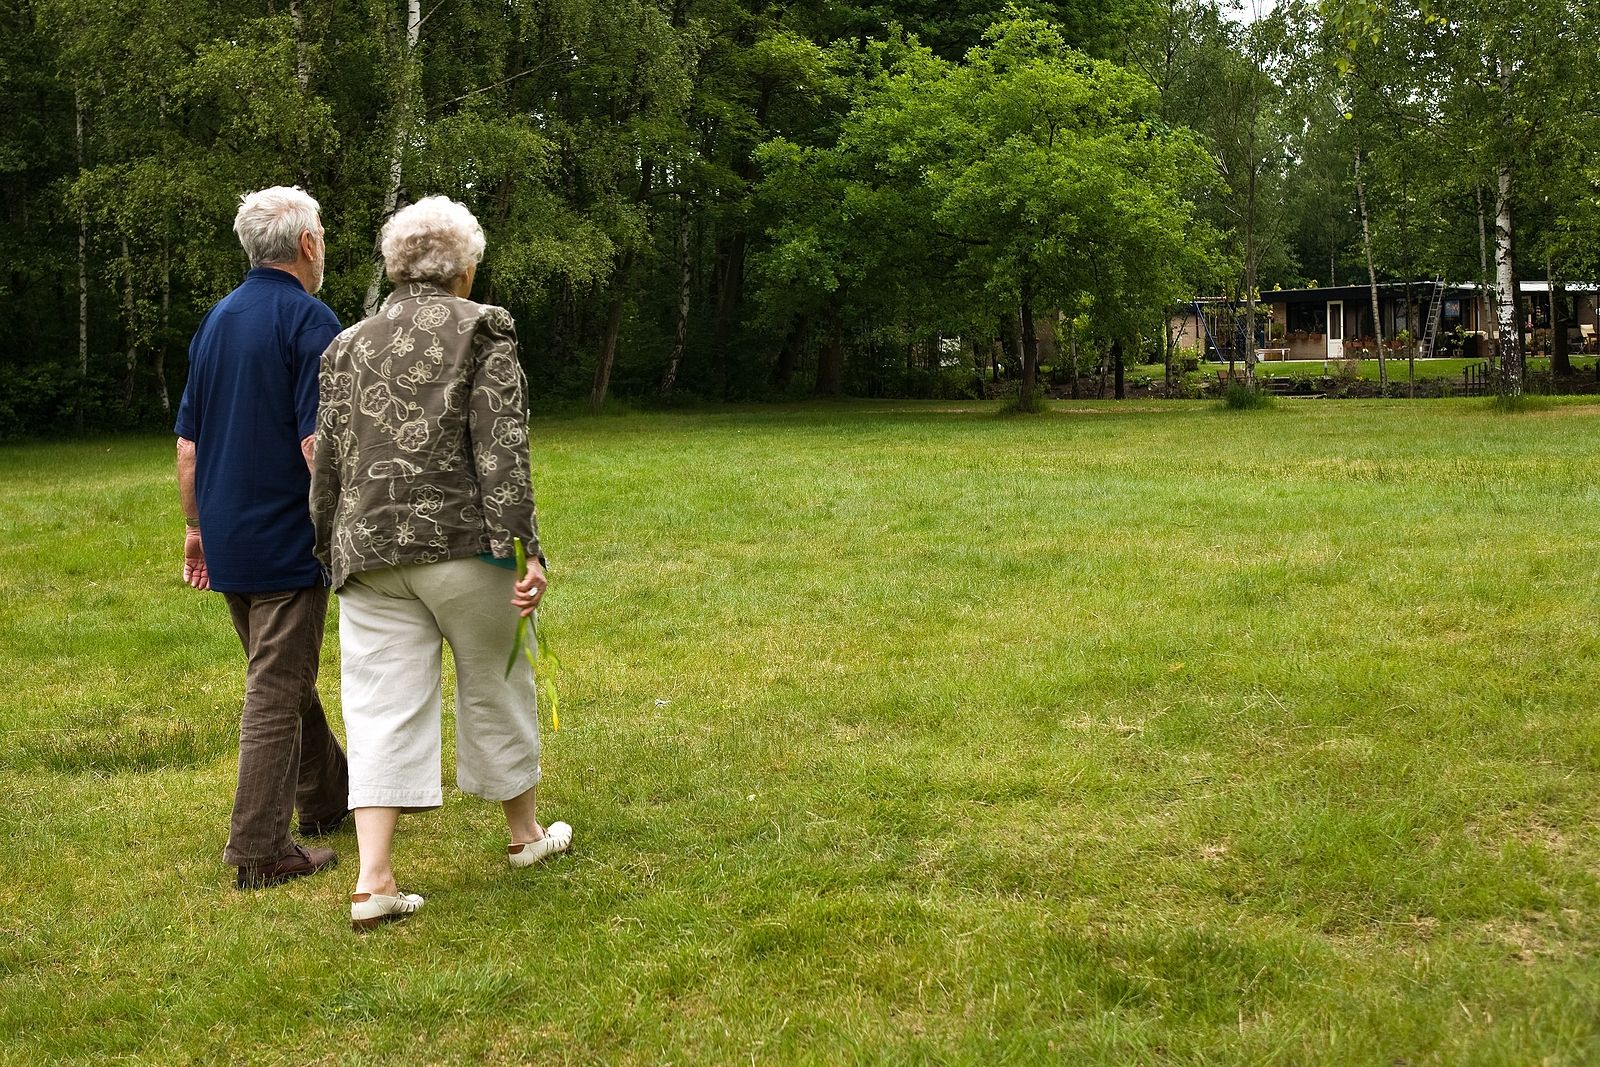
<point x="1499" y="83"/>
<point x="40" y="377"/>
<point x="175" y="124"/>
<point x="1040" y="178"/>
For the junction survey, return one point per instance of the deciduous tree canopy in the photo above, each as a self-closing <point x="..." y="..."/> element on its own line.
<point x="732" y="198"/>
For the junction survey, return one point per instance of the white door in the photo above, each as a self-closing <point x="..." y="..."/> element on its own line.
<point x="1336" y="329"/>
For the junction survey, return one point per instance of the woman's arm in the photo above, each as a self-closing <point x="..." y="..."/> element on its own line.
<point x="333" y="412"/>
<point x="497" y="423"/>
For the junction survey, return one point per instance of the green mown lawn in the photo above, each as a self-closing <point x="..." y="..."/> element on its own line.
<point x="1399" y="369"/>
<point x="1142" y="733"/>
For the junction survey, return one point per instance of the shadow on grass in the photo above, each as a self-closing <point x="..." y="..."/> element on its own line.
<point x="111" y="741"/>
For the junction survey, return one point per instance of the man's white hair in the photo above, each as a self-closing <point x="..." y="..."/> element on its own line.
<point x="270" y="222"/>
<point x="434" y="240"/>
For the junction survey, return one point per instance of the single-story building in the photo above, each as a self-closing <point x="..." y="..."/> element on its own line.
<point x="1334" y="322"/>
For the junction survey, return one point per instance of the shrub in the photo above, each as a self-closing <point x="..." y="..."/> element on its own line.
<point x="1241" y="397"/>
<point x="1510" y="405"/>
<point x="1013" y="404"/>
<point x="902" y="383"/>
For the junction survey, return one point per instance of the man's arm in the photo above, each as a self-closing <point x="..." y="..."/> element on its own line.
<point x="314" y="348"/>
<point x="313" y="340"/>
<point x="194" y="553"/>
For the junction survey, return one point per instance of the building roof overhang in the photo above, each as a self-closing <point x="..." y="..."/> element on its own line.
<point x="1420" y="290"/>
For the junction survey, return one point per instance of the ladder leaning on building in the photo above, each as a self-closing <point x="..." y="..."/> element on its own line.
<point x="1430" y="336"/>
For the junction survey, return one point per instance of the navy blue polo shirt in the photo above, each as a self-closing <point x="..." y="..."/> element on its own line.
<point x="250" y="400"/>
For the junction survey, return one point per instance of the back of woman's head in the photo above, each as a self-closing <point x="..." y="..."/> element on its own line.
<point x="435" y="240"/>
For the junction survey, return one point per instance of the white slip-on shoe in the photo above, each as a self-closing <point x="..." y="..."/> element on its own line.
<point x="557" y="838"/>
<point x="371" y="910"/>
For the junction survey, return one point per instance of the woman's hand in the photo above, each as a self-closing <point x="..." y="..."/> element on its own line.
<point x="529" y="589"/>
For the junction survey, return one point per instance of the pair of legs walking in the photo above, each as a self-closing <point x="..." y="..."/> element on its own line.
<point x="375" y="837"/>
<point x="393" y="623"/>
<point x="288" y="757"/>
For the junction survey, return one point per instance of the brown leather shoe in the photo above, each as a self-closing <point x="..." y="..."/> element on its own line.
<point x="297" y="864"/>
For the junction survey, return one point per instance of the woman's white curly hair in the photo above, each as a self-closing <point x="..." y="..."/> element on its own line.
<point x="434" y="240"/>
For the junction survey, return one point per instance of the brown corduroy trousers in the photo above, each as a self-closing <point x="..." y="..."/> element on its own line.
<point x="288" y="757"/>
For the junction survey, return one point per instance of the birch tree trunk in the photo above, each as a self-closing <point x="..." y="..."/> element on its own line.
<point x="1411" y="347"/>
<point x="1233" y="342"/>
<point x="131" y="326"/>
<point x="1252" y="254"/>
<point x="1249" y="352"/>
<point x="1072" y="346"/>
<point x="1485" y="289"/>
<point x="1372" y="278"/>
<point x="302" y="47"/>
<point x="1169" y="350"/>
<point x="83" y="271"/>
<point x="608" y="343"/>
<point x="404" y="105"/>
<point x="680" y="335"/>
<point x="730" y="290"/>
<point x="1509" y="343"/>
<point x="162" y="339"/>
<point x="166" y="323"/>
<point x="1027" y="399"/>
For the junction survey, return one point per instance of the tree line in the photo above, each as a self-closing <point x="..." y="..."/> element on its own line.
<point x="736" y="199"/>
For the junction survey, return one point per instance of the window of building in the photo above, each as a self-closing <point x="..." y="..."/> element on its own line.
<point x="1307" y="318"/>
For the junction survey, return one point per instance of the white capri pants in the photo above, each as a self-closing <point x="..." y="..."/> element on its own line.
<point x="390" y="625"/>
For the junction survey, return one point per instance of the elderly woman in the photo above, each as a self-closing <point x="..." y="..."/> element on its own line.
<point x="420" y="484"/>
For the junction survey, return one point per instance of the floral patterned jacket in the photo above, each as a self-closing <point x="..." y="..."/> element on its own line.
<point x="422" y="437"/>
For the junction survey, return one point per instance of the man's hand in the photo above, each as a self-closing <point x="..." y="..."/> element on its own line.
<point x="194" y="554"/>
<point x="194" y="560"/>
<point x="529" y="589"/>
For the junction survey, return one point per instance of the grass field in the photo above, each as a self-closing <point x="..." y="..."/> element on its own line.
<point x="1143" y="733"/>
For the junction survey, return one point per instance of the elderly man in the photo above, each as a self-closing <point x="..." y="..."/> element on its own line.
<point x="245" y="430"/>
